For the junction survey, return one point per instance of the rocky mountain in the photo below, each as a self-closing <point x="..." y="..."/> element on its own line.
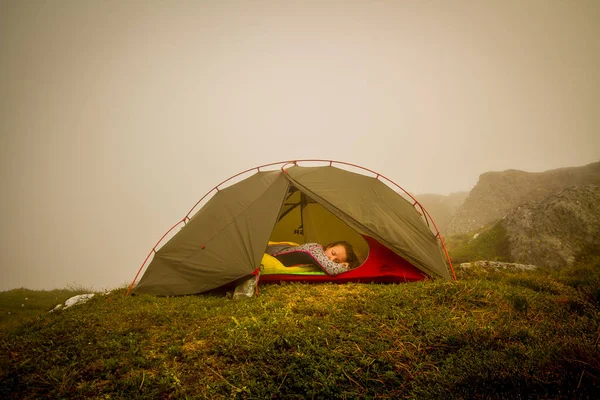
<point x="554" y="232"/>
<point x="496" y="193"/>
<point x="557" y="230"/>
<point x="442" y="208"/>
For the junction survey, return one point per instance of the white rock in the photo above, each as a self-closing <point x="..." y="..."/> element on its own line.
<point x="79" y="299"/>
<point x="498" y="265"/>
<point x="58" y="307"/>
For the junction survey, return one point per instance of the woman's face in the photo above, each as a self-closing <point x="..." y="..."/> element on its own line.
<point x="337" y="254"/>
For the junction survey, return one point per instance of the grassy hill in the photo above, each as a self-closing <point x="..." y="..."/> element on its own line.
<point x="488" y="243"/>
<point x="20" y="305"/>
<point x="489" y="335"/>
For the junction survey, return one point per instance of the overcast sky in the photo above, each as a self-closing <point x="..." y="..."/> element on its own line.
<point x="117" y="116"/>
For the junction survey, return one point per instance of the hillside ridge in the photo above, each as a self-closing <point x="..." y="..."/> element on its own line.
<point x="498" y="192"/>
<point x="442" y="207"/>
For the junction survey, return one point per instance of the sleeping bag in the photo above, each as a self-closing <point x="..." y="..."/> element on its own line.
<point x="306" y="254"/>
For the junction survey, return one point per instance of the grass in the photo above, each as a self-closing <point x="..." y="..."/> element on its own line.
<point x="20" y="305"/>
<point x="491" y="243"/>
<point x="491" y="335"/>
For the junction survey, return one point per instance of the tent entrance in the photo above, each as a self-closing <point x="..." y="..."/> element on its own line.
<point x="303" y="220"/>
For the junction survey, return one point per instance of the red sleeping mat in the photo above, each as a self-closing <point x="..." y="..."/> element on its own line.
<point x="381" y="265"/>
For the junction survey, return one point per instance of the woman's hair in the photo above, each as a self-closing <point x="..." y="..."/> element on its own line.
<point x="351" y="257"/>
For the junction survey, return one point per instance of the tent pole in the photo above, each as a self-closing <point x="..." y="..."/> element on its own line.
<point x="283" y="165"/>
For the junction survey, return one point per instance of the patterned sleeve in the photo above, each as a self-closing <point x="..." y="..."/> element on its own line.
<point x="318" y="254"/>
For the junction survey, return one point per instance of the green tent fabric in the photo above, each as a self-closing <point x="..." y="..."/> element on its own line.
<point x="225" y="240"/>
<point x="370" y="207"/>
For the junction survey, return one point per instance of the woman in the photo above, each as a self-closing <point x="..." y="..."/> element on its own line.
<point x="341" y="252"/>
<point x="334" y="259"/>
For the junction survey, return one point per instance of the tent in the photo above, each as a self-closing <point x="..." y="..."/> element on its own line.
<point x="225" y="240"/>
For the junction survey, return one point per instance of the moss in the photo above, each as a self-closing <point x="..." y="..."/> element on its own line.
<point x="511" y="335"/>
<point x="490" y="244"/>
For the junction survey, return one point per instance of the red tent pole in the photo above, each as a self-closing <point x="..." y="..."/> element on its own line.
<point x="283" y="165"/>
<point x="148" y="256"/>
<point x="438" y="234"/>
<point x="416" y="202"/>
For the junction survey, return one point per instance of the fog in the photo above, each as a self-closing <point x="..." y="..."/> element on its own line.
<point x="117" y="116"/>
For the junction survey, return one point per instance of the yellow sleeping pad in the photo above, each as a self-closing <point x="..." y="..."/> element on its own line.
<point x="272" y="266"/>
